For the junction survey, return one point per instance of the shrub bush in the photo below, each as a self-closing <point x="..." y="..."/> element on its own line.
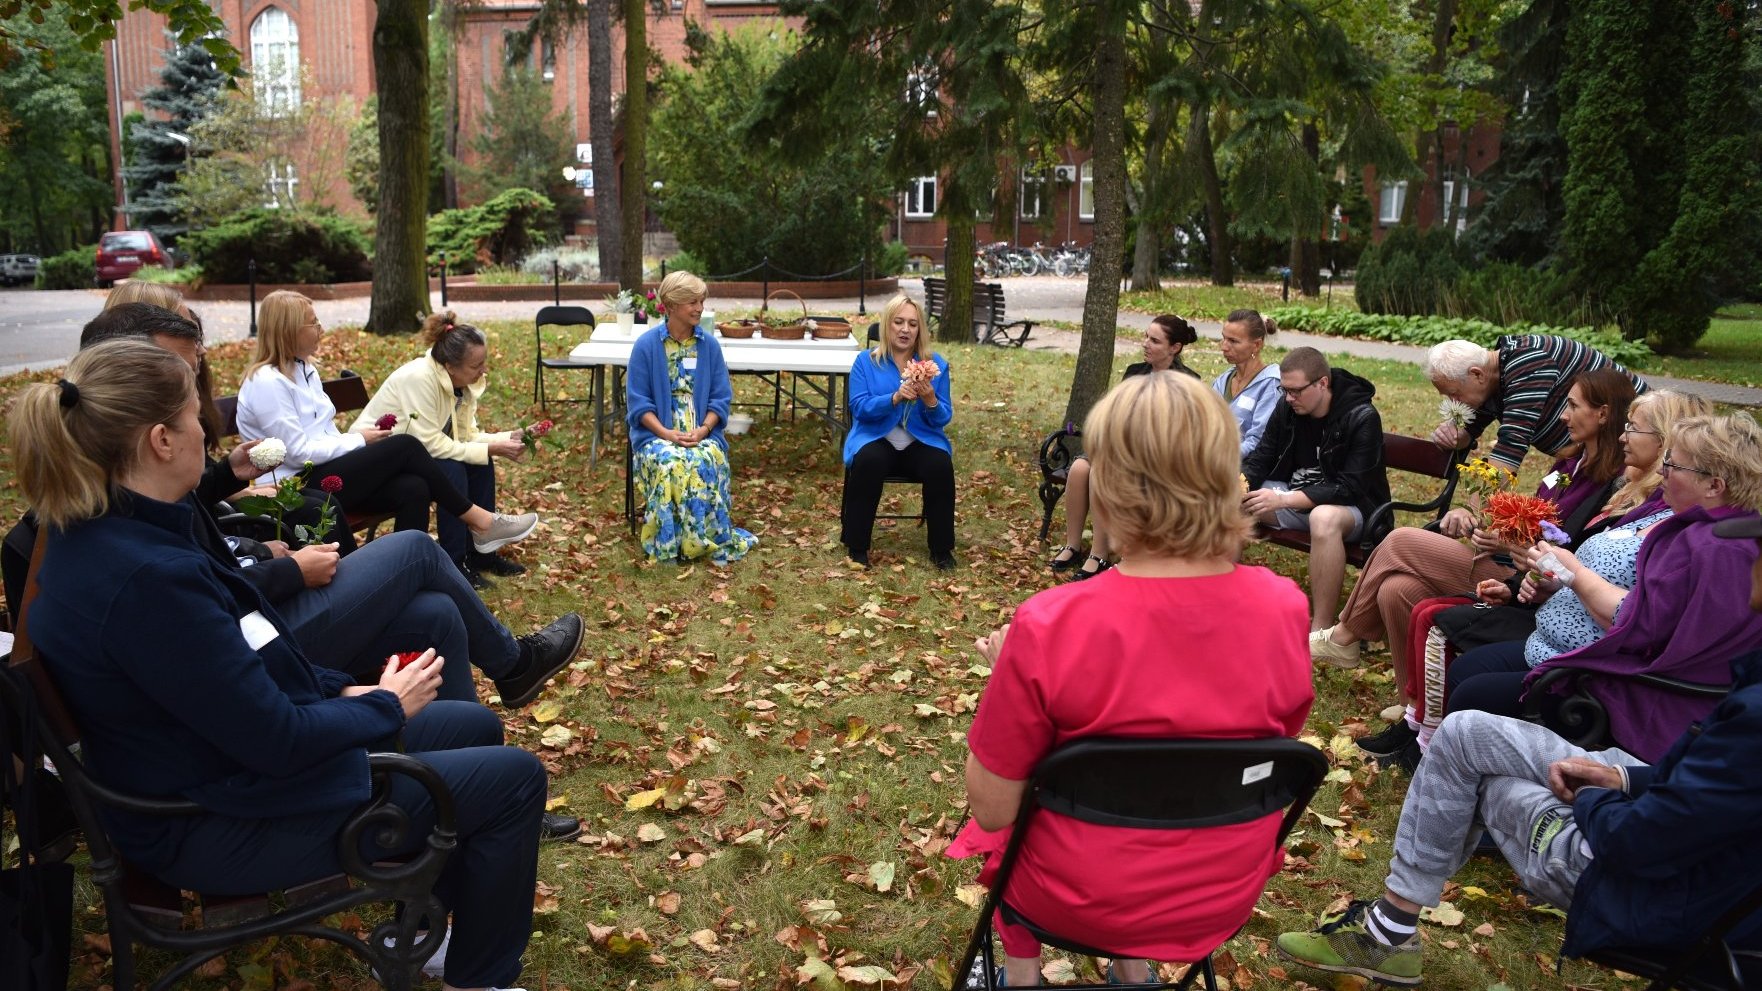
<point x="288" y="247"/>
<point x="1429" y="330"/>
<point x="574" y="264"/>
<point x="1410" y="273"/>
<point x="689" y="262"/>
<point x="73" y="269"/>
<point x="892" y="259"/>
<point x="1506" y="294"/>
<point x="498" y="232"/>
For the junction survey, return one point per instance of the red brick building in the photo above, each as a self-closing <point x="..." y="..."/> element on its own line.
<point x="1389" y="199"/>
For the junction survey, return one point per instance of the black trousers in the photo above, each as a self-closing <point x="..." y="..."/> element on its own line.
<point x="396" y="475"/>
<point x="874" y="462"/>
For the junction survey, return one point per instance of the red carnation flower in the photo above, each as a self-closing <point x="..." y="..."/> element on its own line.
<point x="386" y="422"/>
<point x="404" y="658"/>
<point x="332" y="484"/>
<point x="541" y="428"/>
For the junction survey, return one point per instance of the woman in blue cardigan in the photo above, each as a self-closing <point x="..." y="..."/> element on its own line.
<point x="187" y="684"/>
<point x="678" y="397"/>
<point x="899" y="409"/>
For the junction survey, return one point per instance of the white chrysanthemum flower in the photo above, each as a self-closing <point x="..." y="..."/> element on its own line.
<point x="269" y="454"/>
<point x="1457" y="414"/>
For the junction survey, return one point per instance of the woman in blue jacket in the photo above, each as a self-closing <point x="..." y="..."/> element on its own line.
<point x="678" y="397"/>
<point x="186" y="684"/>
<point x="899" y="410"/>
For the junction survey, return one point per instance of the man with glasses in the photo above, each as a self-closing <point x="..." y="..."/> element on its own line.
<point x="1639" y="855"/>
<point x="1319" y="468"/>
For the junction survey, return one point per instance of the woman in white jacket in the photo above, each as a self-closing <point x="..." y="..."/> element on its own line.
<point x="434" y="399"/>
<point x="283" y="397"/>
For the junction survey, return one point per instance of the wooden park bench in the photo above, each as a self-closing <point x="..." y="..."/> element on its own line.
<point x="989" y="322"/>
<point x="1415" y="455"/>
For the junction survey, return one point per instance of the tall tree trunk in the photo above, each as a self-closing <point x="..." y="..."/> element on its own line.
<point x="957" y="269"/>
<point x="1217" y="218"/>
<point x="634" y="188"/>
<point x="1147" y="252"/>
<point x="1305" y="233"/>
<point x="400" y="271"/>
<point x="1101" y="303"/>
<point x="607" y="225"/>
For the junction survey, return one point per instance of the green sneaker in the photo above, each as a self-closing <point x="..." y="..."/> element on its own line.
<point x="1344" y="946"/>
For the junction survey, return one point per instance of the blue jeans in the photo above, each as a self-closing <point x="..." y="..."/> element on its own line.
<point x="498" y="796"/>
<point x="478" y="482"/>
<point x="396" y="593"/>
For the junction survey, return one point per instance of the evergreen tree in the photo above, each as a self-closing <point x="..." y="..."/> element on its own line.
<point x="188" y="87"/>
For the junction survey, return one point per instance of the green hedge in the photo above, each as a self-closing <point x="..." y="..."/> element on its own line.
<point x="73" y="269"/>
<point x="1411" y="272"/>
<point x="1426" y="331"/>
<point x="499" y="232"/>
<point x="288" y="247"/>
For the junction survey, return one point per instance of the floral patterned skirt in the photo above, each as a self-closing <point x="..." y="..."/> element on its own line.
<point x="685" y="499"/>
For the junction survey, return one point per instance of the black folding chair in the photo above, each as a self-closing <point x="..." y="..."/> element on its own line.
<point x="555" y="316"/>
<point x="1149" y="784"/>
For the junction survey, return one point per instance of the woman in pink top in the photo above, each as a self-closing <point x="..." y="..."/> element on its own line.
<point x="1164" y="481"/>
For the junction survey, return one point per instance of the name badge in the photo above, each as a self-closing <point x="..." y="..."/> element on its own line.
<point x="1551" y="479"/>
<point x="1245" y="401"/>
<point x="1619" y="534"/>
<point x="690" y="364"/>
<point x="258" y="630"/>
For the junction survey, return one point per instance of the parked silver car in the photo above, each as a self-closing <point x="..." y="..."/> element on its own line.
<point x="16" y="270"/>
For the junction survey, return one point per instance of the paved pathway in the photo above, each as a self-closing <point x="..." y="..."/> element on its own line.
<point x="35" y="327"/>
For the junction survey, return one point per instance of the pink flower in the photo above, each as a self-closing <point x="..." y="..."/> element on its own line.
<point x="542" y="427"/>
<point x="332" y="484"/>
<point x="386" y="422"/>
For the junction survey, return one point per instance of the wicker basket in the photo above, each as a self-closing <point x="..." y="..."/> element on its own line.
<point x="830" y="328"/>
<point x="783" y="332"/>
<point x="740" y="329"/>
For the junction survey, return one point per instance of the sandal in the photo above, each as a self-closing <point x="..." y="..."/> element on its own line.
<point x="1061" y="563"/>
<point x="1101" y="564"/>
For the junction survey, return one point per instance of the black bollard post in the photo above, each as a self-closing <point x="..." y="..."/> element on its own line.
<point x="663" y="270"/>
<point x="863" y="284"/>
<point x="765" y="276"/>
<point x="1285" y="293"/>
<point x="443" y="280"/>
<point x="251" y="277"/>
<point x="556" y="282"/>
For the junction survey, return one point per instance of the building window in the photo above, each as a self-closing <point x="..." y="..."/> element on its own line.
<point x="514" y="54"/>
<point x="1031" y="195"/>
<point x="275" y="61"/>
<point x="281" y="184"/>
<point x="1456" y="192"/>
<point x="920" y="197"/>
<point x="1389" y="204"/>
<point x="1086" y="191"/>
<point x="547" y="58"/>
<point x="921" y="90"/>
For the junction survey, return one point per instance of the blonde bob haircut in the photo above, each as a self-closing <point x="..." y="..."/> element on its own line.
<point x="157" y="293"/>
<point x="1727" y="447"/>
<point x="681" y="287"/>
<point x="279" y="318"/>
<point x="1165" y="468"/>
<point x="882" y="349"/>
<point x="1664" y="409"/>
<point x="70" y="443"/>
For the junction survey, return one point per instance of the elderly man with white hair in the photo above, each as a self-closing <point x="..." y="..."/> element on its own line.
<point x="1522" y="382"/>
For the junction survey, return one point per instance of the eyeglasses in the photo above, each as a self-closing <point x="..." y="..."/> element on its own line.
<point x="1294" y="393"/>
<point x="1667" y="466"/>
<point x="1629" y="428"/>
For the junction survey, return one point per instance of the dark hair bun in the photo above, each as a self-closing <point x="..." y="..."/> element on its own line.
<point x="1179" y="330"/>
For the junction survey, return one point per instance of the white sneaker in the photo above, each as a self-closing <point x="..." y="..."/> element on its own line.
<point x="436" y="965"/>
<point x="503" y="531"/>
<point x="1321" y="648"/>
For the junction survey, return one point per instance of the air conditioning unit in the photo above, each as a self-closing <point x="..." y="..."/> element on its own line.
<point x="1064" y="173"/>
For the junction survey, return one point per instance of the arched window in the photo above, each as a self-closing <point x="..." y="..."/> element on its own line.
<point x="275" y="61"/>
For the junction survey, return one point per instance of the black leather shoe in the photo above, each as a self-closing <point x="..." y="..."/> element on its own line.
<point x="473" y="577"/>
<point x="553" y="828"/>
<point x="494" y="564"/>
<point x="1407" y="758"/>
<point x="542" y="655"/>
<point x="1390" y="741"/>
<point x="944" y="562"/>
<point x="860" y="557"/>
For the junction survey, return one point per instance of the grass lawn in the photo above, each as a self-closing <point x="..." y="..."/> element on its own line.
<point x="1730" y="352"/>
<point x="768" y="756"/>
<point x="1199" y="300"/>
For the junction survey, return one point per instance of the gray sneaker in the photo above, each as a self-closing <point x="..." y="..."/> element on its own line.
<point x="504" y="531"/>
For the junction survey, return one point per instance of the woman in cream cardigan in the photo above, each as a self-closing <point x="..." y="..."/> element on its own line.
<point x="434" y="398"/>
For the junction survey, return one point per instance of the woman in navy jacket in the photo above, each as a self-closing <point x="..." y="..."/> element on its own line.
<point x="678" y="395"/>
<point x="897" y="427"/>
<point x="187" y="684"/>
